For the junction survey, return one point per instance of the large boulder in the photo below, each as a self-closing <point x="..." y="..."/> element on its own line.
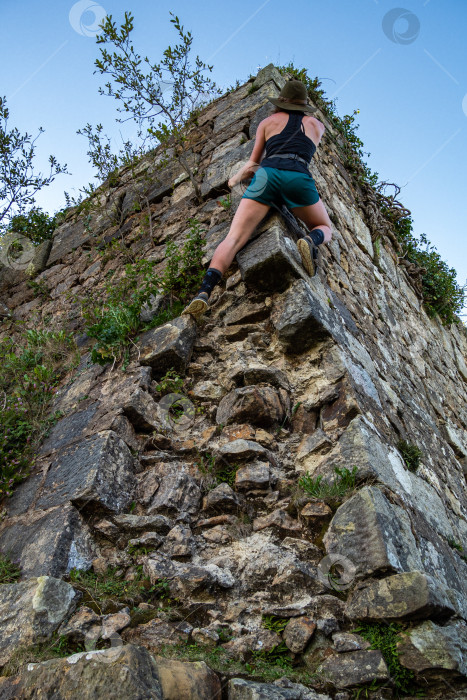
<point x="260" y="405"/>
<point x="107" y="674"/>
<point x="168" y="346"/>
<point x="432" y="647"/>
<point x="98" y="470"/>
<point x="411" y="595"/>
<point x="31" y="611"/>
<point x="48" y="542"/>
<point x="271" y="261"/>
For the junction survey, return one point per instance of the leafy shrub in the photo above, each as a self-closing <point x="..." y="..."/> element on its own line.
<point x="327" y="491"/>
<point x="383" y="636"/>
<point x="170" y="383"/>
<point x="31" y="365"/>
<point x="442" y="295"/>
<point x="115" y="319"/>
<point x="36" y="225"/>
<point x="274" y="623"/>
<point x="411" y="455"/>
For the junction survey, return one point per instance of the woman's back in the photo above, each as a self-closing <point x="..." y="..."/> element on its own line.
<point x="274" y="124"/>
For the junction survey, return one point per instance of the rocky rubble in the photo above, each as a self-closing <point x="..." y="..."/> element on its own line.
<point x="288" y="375"/>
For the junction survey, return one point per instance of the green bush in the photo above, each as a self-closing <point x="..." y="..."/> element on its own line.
<point x="383" y="636"/>
<point x="411" y="455"/>
<point x="31" y="366"/>
<point x="326" y="491"/>
<point x="442" y="295"/>
<point x="36" y="225"/>
<point x="115" y="319"/>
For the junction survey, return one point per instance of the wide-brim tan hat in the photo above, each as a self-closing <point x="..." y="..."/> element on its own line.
<point x="293" y="96"/>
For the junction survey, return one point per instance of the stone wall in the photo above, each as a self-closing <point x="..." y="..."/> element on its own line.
<point x="290" y="374"/>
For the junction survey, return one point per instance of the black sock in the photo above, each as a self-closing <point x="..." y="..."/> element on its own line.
<point x="211" y="278"/>
<point x="317" y="236"/>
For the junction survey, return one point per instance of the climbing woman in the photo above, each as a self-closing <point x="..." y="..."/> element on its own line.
<point x="288" y="138"/>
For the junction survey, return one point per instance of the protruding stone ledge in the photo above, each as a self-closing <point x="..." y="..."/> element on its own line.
<point x="169" y="345"/>
<point x="30" y="612"/>
<point x="97" y="470"/>
<point x="270" y="262"/>
<point x="411" y="595"/>
<point x="48" y="542"/>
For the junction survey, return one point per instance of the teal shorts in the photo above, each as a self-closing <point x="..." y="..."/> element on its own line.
<point x="287" y="187"/>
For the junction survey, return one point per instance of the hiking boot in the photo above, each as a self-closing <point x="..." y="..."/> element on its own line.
<point x="309" y="253"/>
<point x="198" y="305"/>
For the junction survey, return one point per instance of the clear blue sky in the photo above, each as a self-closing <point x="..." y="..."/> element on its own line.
<point x="404" y="67"/>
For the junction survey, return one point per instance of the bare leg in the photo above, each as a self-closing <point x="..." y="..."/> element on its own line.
<point x="315" y="216"/>
<point x="248" y="215"/>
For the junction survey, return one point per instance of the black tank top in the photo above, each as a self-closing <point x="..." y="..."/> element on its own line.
<point x="292" y="139"/>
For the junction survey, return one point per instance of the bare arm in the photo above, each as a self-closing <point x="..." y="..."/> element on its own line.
<point x="249" y="168"/>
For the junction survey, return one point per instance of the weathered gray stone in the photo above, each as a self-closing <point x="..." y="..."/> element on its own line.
<point x="188" y="680"/>
<point x="259" y="640"/>
<point x="186" y="579"/>
<point x="178" y="491"/>
<point x="99" y="470"/>
<point x="327" y="611"/>
<point x="156" y="633"/>
<point x="41" y="256"/>
<point x="298" y="633"/>
<point x="411" y="595"/>
<point x="178" y="543"/>
<point x="254" y="476"/>
<point x="84" y="626"/>
<point x="111" y="624"/>
<point x="246" y="107"/>
<point x="223" y="167"/>
<point x="141" y="409"/>
<point x="280" y="520"/>
<point x="429" y="646"/>
<point x="298" y="318"/>
<point x="67" y="237"/>
<point x="169" y="345"/>
<point x="267" y="73"/>
<point x="271" y="375"/>
<point x="346" y="641"/>
<point x="131" y="524"/>
<point x="152" y="307"/>
<point x="48" y="542"/>
<point x="374" y="534"/>
<point x="69" y="430"/>
<point x="354" y="668"/>
<point x="242" y="450"/>
<point x="127" y="672"/>
<point x="241" y="689"/>
<point x="247" y="313"/>
<point x="260" y="405"/>
<point x="271" y="261"/>
<point x="222" y="498"/>
<point x="31" y="611"/>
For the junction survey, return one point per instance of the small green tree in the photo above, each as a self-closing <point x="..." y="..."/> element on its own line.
<point x="19" y="181"/>
<point x="159" y="97"/>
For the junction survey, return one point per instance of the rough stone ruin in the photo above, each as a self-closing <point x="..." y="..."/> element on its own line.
<point x="288" y="374"/>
